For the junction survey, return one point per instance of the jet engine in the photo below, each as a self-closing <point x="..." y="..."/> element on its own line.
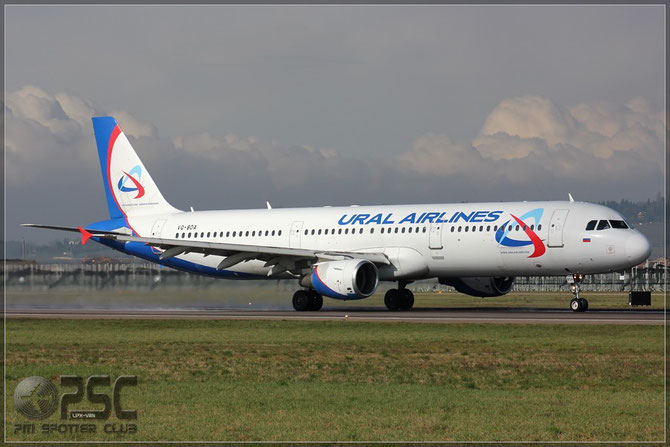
<point x="482" y="286"/>
<point x="350" y="279"/>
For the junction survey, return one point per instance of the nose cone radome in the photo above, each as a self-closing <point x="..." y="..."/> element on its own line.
<point x="638" y="248"/>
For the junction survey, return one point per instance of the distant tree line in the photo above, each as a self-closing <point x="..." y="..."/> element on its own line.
<point x="643" y="211"/>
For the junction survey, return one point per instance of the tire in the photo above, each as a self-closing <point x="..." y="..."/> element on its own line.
<point x="301" y="300"/>
<point x="585" y="304"/>
<point x="407" y="299"/>
<point x="575" y="305"/>
<point x="392" y="299"/>
<point x="315" y="301"/>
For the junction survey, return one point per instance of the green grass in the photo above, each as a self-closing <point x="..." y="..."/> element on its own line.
<point x="293" y="380"/>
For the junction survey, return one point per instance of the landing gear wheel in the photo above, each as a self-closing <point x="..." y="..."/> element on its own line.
<point x="315" y="301"/>
<point x="301" y="300"/>
<point x="407" y="299"/>
<point x="575" y="305"/>
<point x="585" y="304"/>
<point x="393" y="299"/>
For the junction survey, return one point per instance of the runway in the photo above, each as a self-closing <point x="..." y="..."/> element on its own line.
<point x="423" y="315"/>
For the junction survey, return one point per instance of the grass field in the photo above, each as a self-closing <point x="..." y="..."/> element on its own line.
<point x="326" y="381"/>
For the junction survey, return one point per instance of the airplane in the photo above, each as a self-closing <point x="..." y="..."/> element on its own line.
<point x="344" y="252"/>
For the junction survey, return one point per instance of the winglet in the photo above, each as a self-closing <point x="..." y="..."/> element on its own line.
<point x="570" y="197"/>
<point x="268" y="205"/>
<point x="85" y="235"/>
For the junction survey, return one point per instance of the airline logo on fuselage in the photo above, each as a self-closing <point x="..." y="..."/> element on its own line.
<point x="419" y="218"/>
<point x="503" y="238"/>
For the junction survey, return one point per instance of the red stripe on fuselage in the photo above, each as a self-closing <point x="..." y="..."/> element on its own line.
<point x="534" y="238"/>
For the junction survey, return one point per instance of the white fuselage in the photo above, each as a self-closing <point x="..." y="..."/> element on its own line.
<point x="421" y="241"/>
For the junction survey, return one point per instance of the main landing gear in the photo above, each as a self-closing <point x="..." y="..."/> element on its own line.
<point x="307" y="300"/>
<point x="578" y="304"/>
<point x="399" y="299"/>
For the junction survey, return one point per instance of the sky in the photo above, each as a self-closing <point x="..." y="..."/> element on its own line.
<point x="304" y="105"/>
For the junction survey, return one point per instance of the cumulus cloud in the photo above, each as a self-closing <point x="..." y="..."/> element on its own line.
<point x="521" y="126"/>
<point x="528" y="148"/>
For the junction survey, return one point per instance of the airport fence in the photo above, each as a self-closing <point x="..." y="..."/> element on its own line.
<point x="130" y="275"/>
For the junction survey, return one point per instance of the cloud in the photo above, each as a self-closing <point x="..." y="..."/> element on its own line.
<point x="521" y="126"/>
<point x="528" y="148"/>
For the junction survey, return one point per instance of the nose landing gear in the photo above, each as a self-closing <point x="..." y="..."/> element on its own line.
<point x="577" y="304"/>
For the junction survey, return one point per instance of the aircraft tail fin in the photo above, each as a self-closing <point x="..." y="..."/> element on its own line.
<point x="129" y="188"/>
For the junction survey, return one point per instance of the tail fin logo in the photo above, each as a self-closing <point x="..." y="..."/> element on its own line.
<point x="137" y="171"/>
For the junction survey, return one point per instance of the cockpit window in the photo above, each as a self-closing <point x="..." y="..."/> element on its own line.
<point x="618" y="224"/>
<point x="591" y="225"/>
<point x="603" y="225"/>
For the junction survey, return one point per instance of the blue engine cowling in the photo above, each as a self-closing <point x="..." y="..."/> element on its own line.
<point x="482" y="286"/>
<point x="351" y="279"/>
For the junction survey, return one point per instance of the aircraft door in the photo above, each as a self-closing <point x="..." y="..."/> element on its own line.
<point x="556" y="226"/>
<point x="435" y="236"/>
<point x="294" y="237"/>
<point x="157" y="229"/>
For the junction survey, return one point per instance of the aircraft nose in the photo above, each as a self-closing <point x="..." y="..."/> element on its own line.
<point x="638" y="248"/>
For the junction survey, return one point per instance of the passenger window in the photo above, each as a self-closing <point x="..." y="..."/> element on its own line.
<point x="273" y="233"/>
<point x="481" y="228"/>
<point x="517" y="228"/>
<point x="372" y="230"/>
<point x="459" y="228"/>
<point x="591" y="225"/>
<point x="424" y="229"/>
<point x="346" y="231"/>
<point x="603" y="225"/>
<point x="360" y="231"/>
<point x="279" y="233"/>
<point x="495" y="228"/>
<point x="176" y="236"/>
<point x="381" y="230"/>
<point x="488" y="228"/>
<point x="453" y="229"/>
<point x="403" y="230"/>
<point x="325" y="231"/>
<point x="339" y="231"/>
<point x="539" y="227"/>
<point x="466" y="228"/>
<point x="619" y="224"/>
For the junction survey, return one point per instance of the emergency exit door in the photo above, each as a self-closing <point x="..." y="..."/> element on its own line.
<point x="294" y="237"/>
<point x="435" y="236"/>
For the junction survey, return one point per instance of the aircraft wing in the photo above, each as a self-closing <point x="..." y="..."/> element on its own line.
<point x="280" y="258"/>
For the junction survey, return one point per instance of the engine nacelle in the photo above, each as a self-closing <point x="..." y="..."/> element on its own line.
<point x="344" y="280"/>
<point x="482" y="286"/>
